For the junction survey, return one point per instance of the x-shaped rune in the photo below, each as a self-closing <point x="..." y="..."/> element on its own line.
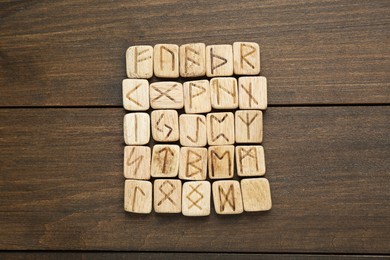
<point x="164" y="93"/>
<point x="195" y="203"/>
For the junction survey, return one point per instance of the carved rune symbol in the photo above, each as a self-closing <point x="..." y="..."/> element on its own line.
<point x="139" y="59"/>
<point x="198" y="122"/>
<point x="250" y="153"/>
<point x="215" y="66"/>
<point x="164" y="93"/>
<point x="170" y="129"/>
<point x="249" y="93"/>
<point x="192" y="163"/>
<point x="131" y="92"/>
<point x="166" y="194"/>
<point x="195" y="190"/>
<point x="219" y="88"/>
<point x="214" y="156"/>
<point x="137" y="161"/>
<point x="188" y="59"/>
<point x="212" y="117"/>
<point x="135" y="195"/>
<point x="172" y="56"/>
<point x="194" y="95"/>
<point x="243" y="56"/>
<point x="228" y="198"/>
<point x="248" y="122"/>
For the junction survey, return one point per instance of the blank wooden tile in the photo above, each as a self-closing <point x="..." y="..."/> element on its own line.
<point x="227" y="197"/>
<point x="256" y="194"/>
<point x="193" y="130"/>
<point x="193" y="163"/>
<point x="135" y="94"/>
<point x="167" y="196"/>
<point x="136" y="128"/>
<point x="197" y="96"/>
<point x="193" y="60"/>
<point x="250" y="160"/>
<point x="166" y="60"/>
<point x="221" y="162"/>
<point x="165" y="160"/>
<point x="220" y="128"/>
<point x="165" y="125"/>
<point x="252" y="93"/>
<point x="246" y="58"/>
<point x="138" y="196"/>
<point x="139" y="62"/>
<point x="219" y="60"/>
<point x="249" y="126"/>
<point x="137" y="162"/>
<point x="224" y="93"/>
<point x="166" y="94"/>
<point x="196" y="198"/>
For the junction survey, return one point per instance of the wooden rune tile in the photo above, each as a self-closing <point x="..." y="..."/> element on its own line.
<point x="196" y="198"/>
<point x="256" y="194"/>
<point x="135" y="94"/>
<point x="221" y="162"/>
<point x="138" y="196"/>
<point x="219" y="60"/>
<point x="166" y="60"/>
<point x="197" y="96"/>
<point x="220" y="128"/>
<point x="165" y="160"/>
<point x="167" y="196"/>
<point x="166" y="94"/>
<point x="136" y="128"/>
<point x="249" y="126"/>
<point x="246" y="58"/>
<point x="137" y="162"/>
<point x="193" y="130"/>
<point x="193" y="163"/>
<point x="139" y="62"/>
<point x="250" y="160"/>
<point x="252" y="93"/>
<point x="165" y="125"/>
<point x="224" y="93"/>
<point x="193" y="60"/>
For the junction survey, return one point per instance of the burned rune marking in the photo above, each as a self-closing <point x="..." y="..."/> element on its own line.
<point x="161" y="57"/>
<point x="243" y="56"/>
<point x="195" y="202"/>
<point x="219" y="88"/>
<point x="139" y="59"/>
<point x="215" y="66"/>
<point x="198" y="122"/>
<point x="164" y="93"/>
<point x="214" y="156"/>
<point x="250" y="153"/>
<point x="170" y="129"/>
<point x="166" y="194"/>
<point x="137" y="161"/>
<point x="192" y="163"/>
<point x="228" y="198"/>
<point x="213" y="137"/>
<point x="188" y="58"/>
<point x="248" y="122"/>
<point x="135" y="195"/>
<point x="136" y="127"/>
<point x="249" y="93"/>
<point x="202" y="90"/>
<point x="131" y="92"/>
<point x="166" y="151"/>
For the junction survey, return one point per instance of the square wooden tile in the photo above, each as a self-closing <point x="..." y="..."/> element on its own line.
<point x="139" y="62"/>
<point x="166" y="94"/>
<point x="193" y="130"/>
<point x="165" y="125"/>
<point x="252" y="93"/>
<point x="138" y="196"/>
<point x="165" y="160"/>
<point x="136" y="128"/>
<point x="135" y="94"/>
<point x="167" y="196"/>
<point x="193" y="60"/>
<point x="256" y="194"/>
<point x="249" y="126"/>
<point x="219" y="60"/>
<point x="137" y="162"/>
<point x="197" y="96"/>
<point x="246" y="58"/>
<point x="166" y="60"/>
<point x="220" y="128"/>
<point x="250" y="160"/>
<point x="193" y="163"/>
<point x="221" y="162"/>
<point x="224" y="93"/>
<point x="196" y="198"/>
<point x="227" y="197"/>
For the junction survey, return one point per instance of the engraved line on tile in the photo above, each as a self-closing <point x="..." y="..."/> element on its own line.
<point x="248" y="122"/>
<point x="165" y="125"/>
<point x="202" y="90"/>
<point x="219" y="88"/>
<point x="243" y="56"/>
<point x="164" y="93"/>
<point x="195" y="203"/>
<point x="250" y="96"/>
<point x="137" y="161"/>
<point x="140" y="59"/>
<point x="242" y="154"/>
<point x="214" y="156"/>
<point x="131" y="92"/>
<point x="166" y="194"/>
<point x="212" y="128"/>
<point x="166" y="151"/>
<point x="135" y="195"/>
<point x="192" y="163"/>
<point x="188" y="49"/>
<point x="198" y="122"/>
<point x="227" y="199"/>
<point x="161" y="57"/>
<point x="212" y="56"/>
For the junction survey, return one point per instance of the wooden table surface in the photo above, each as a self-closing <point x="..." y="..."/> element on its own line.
<point x="327" y="128"/>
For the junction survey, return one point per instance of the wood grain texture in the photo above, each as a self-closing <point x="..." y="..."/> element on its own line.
<point x="61" y="186"/>
<point x="72" y="53"/>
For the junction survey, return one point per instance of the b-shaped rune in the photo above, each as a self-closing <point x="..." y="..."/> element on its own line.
<point x="221" y="162"/>
<point x="193" y="163"/>
<point x="219" y="60"/>
<point x="135" y="94"/>
<point x="136" y="128"/>
<point x="137" y="162"/>
<point x="252" y="93"/>
<point x="196" y="198"/>
<point x="166" y="60"/>
<point x="167" y="196"/>
<point x="224" y="93"/>
<point x="138" y="196"/>
<point x="250" y="160"/>
<point x="165" y="160"/>
<point x="197" y="96"/>
<point x="227" y="197"/>
<point x="192" y="60"/>
<point x="219" y="128"/>
<point x="139" y="62"/>
<point x="246" y="58"/>
<point x="193" y="130"/>
<point x="165" y="125"/>
<point x="166" y="94"/>
<point x="249" y="126"/>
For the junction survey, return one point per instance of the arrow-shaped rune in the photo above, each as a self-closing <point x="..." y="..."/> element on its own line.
<point x="167" y="151"/>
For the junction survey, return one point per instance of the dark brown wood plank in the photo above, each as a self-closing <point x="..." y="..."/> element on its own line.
<point x="61" y="186"/>
<point x="71" y="53"/>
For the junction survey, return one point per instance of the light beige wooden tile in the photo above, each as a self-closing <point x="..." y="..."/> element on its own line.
<point x="219" y="60"/>
<point x="246" y="58"/>
<point x="167" y="196"/>
<point x="193" y="163"/>
<point x="256" y="194"/>
<point x="193" y="130"/>
<point x="252" y="93"/>
<point x="135" y="94"/>
<point x="220" y="128"/>
<point x="165" y="125"/>
<point x="166" y="60"/>
<point x="227" y="197"/>
<point x="196" y="198"/>
<point x="221" y="162"/>
<point x="166" y="94"/>
<point x="250" y="160"/>
<point x="136" y="128"/>
<point x="138" y="196"/>
<point x="165" y="160"/>
<point x="193" y="60"/>
<point x="139" y="62"/>
<point x="249" y="126"/>
<point x="224" y="93"/>
<point x="197" y="96"/>
<point x="137" y="162"/>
